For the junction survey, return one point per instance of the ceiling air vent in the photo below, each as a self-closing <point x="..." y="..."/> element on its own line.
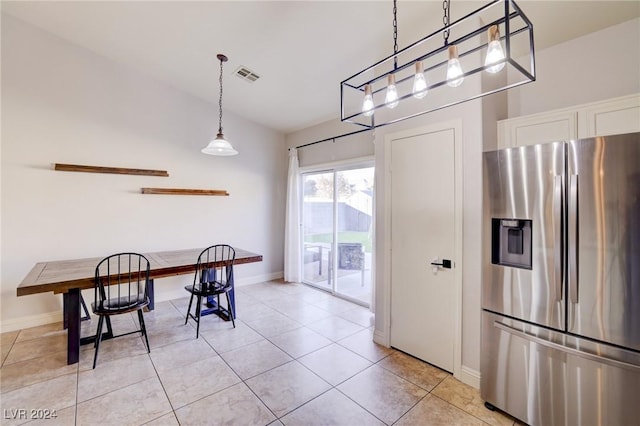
<point x="246" y="74"/>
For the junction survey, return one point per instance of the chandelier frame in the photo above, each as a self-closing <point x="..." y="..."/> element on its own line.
<point x="514" y="23"/>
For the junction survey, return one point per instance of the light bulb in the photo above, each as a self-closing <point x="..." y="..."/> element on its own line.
<point x="367" y="103"/>
<point x="494" y="51"/>
<point x="391" y="99"/>
<point x="419" y="82"/>
<point x="454" y="69"/>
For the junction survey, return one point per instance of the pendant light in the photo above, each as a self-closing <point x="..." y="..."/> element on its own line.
<point x="495" y="54"/>
<point x="455" y="76"/>
<point x="391" y="98"/>
<point x="419" y="89"/>
<point x="367" y="103"/>
<point x="220" y="146"/>
<point x="496" y="37"/>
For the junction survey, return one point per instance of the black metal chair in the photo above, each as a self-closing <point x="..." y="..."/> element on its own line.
<point x="213" y="277"/>
<point x="121" y="286"/>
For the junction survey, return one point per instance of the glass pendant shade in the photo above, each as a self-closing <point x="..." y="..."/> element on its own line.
<point x="219" y="146"/>
<point x="391" y="98"/>
<point x="494" y="51"/>
<point x="367" y="103"/>
<point x="454" y="69"/>
<point x="419" y="82"/>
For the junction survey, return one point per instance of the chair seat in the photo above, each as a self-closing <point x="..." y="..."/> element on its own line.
<point x="119" y="305"/>
<point x="208" y="289"/>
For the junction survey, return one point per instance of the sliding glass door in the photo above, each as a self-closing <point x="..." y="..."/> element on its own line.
<point x="337" y="213"/>
<point x="318" y="228"/>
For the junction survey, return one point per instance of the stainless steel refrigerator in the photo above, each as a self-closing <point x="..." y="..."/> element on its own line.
<point x="561" y="282"/>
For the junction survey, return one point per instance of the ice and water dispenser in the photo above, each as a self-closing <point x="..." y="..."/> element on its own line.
<point x="511" y="242"/>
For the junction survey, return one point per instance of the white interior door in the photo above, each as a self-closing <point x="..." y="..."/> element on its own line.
<point x="424" y="314"/>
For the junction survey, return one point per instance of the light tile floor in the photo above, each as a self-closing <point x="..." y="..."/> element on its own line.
<point x="297" y="356"/>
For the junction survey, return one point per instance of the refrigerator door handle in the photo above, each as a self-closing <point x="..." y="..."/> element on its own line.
<point x="573" y="238"/>
<point x="557" y="233"/>
<point x="557" y="346"/>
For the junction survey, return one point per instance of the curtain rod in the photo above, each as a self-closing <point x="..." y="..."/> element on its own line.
<point x="333" y="138"/>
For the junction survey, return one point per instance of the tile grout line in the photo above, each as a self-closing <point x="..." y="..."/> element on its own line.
<point x="243" y="381"/>
<point x="295" y="359"/>
<point x="459" y="408"/>
<point x="173" y="410"/>
<point x="330" y="314"/>
<point x="340" y="342"/>
<point x="358" y="404"/>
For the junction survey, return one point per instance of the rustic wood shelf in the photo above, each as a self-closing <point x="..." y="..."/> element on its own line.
<point x="180" y="191"/>
<point x="111" y="170"/>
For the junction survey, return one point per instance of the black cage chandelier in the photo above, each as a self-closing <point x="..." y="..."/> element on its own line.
<point x="486" y="51"/>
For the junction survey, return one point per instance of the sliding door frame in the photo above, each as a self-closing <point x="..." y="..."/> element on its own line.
<point x="336" y="167"/>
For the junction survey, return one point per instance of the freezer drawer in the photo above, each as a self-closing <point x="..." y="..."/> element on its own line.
<point x="550" y="378"/>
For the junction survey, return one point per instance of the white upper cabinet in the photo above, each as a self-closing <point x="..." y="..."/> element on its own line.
<point x="537" y="128"/>
<point x="610" y="117"/>
<point x="616" y="116"/>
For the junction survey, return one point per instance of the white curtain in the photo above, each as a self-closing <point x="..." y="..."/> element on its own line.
<point x="292" y="253"/>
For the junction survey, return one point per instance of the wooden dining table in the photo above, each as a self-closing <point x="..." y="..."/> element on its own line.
<point x="69" y="277"/>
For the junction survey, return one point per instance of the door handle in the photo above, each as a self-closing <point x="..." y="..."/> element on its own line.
<point x="446" y="263"/>
<point x="557" y="231"/>
<point x="435" y="265"/>
<point x="573" y="238"/>
<point x="573" y="351"/>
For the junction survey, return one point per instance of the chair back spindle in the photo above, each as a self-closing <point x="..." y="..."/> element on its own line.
<point x="121" y="286"/>
<point x="121" y="281"/>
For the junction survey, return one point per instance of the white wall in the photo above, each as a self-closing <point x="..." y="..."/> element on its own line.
<point x="354" y="146"/>
<point x="64" y="104"/>
<point x="600" y="65"/>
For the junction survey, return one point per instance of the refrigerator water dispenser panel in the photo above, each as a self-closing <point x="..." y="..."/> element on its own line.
<point x="511" y="242"/>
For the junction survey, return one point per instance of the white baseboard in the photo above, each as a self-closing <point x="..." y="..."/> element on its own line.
<point x="14" y="324"/>
<point x="470" y="377"/>
<point x="381" y="338"/>
<point x="174" y="293"/>
<point x="162" y="294"/>
<point x="259" y="278"/>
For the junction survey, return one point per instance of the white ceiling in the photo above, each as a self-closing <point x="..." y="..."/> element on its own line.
<point x="300" y="49"/>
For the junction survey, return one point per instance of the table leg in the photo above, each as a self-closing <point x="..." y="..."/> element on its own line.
<point x="232" y="294"/>
<point x="212" y="304"/>
<point x="65" y="306"/>
<point x="150" y="291"/>
<point x="65" y="309"/>
<point x="215" y="308"/>
<point x="72" y="321"/>
<point x="85" y="312"/>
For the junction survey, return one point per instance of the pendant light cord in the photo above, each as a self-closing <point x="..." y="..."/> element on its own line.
<point x="395" y="34"/>
<point x="446" y="6"/>
<point x="220" y="100"/>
